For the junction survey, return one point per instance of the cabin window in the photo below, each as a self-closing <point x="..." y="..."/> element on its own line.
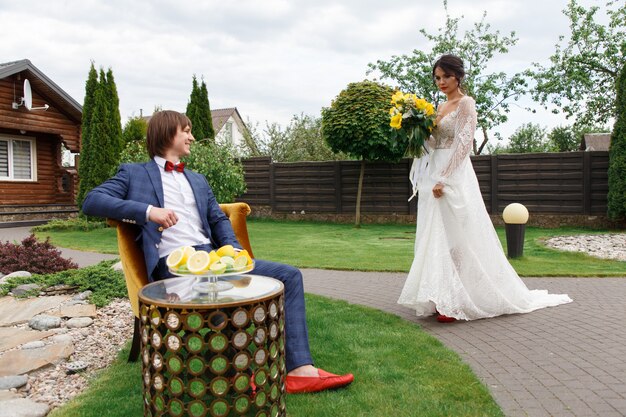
<point x="17" y="159"/>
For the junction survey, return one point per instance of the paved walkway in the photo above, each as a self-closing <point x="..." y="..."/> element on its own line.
<point x="568" y="360"/>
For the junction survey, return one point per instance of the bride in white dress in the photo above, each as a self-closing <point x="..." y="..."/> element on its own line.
<point x="460" y="270"/>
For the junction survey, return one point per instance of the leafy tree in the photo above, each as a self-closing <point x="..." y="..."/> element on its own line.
<point x="301" y="140"/>
<point x="102" y="144"/>
<point x="617" y="155"/>
<point x="582" y="75"/>
<point x="491" y="90"/>
<point x="563" y="139"/>
<point x="199" y="111"/>
<point x="528" y="138"/>
<point x="357" y="123"/>
<point x="134" y="129"/>
<point x="215" y="162"/>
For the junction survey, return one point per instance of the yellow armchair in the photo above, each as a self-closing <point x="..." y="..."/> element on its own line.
<point x="134" y="265"/>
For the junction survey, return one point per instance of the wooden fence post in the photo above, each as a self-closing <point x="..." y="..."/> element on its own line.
<point x="494" y="184"/>
<point x="586" y="183"/>
<point x="272" y="187"/>
<point x="338" y="191"/>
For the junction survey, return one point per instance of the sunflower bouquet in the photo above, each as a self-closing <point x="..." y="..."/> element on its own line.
<point x="413" y="119"/>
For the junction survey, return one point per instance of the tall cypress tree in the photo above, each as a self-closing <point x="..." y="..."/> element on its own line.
<point x="617" y="154"/>
<point x="205" y="111"/>
<point x="86" y="149"/>
<point x="199" y="111"/>
<point x="115" y="120"/>
<point x="101" y="132"/>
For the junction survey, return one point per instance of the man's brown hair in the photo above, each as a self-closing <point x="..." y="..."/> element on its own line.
<point x="162" y="128"/>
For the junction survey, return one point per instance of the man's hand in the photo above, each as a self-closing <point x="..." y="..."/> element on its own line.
<point x="438" y="190"/>
<point x="164" y="217"/>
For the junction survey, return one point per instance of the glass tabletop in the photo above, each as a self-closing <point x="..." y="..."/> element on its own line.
<point x="185" y="291"/>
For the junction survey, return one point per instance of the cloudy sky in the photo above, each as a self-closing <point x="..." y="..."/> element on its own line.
<point x="269" y="58"/>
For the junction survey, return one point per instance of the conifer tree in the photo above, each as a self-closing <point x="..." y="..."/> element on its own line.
<point x="85" y="153"/>
<point x="115" y="120"/>
<point x="617" y="154"/>
<point x="199" y="111"/>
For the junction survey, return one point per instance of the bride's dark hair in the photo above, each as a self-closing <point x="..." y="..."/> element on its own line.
<point x="451" y="65"/>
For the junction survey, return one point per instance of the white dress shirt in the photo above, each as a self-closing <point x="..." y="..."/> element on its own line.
<point x="178" y="196"/>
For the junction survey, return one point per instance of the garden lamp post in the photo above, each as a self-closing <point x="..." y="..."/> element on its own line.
<point x="515" y="216"/>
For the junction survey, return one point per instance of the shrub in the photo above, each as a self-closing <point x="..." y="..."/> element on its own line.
<point x="33" y="256"/>
<point x="84" y="224"/>
<point x="617" y="155"/>
<point x="105" y="283"/>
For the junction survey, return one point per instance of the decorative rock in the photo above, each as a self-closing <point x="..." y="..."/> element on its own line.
<point x="117" y="266"/>
<point x="23" y="407"/>
<point x="23" y="289"/>
<point x="82" y="296"/>
<point x="607" y="246"/>
<point x="44" y="322"/>
<point x="79" y="322"/>
<point x="60" y="289"/>
<point x="6" y="395"/>
<point x="18" y="274"/>
<point x="60" y="330"/>
<point x="13" y="381"/>
<point x="33" y="345"/>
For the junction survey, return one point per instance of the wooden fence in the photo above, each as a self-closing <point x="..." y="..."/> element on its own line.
<point x="547" y="183"/>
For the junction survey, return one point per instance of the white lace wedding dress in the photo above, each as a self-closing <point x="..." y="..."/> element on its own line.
<point x="460" y="268"/>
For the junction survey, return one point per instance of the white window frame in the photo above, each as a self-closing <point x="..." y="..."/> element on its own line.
<point x="33" y="157"/>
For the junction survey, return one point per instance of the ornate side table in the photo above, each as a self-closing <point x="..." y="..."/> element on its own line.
<point x="213" y="353"/>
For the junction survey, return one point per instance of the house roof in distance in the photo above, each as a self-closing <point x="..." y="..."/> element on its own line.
<point x="596" y="142"/>
<point x="43" y="85"/>
<point x="219" y="117"/>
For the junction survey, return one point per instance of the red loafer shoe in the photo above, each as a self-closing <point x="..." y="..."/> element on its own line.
<point x="445" y="319"/>
<point x="324" y="381"/>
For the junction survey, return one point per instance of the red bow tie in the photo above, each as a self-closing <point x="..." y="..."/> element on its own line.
<point x="171" y="167"/>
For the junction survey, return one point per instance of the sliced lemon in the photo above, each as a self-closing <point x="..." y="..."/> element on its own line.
<point x="244" y="254"/>
<point x="227" y="260"/>
<point x="214" y="257"/>
<point x="226" y="250"/>
<point x="187" y="252"/>
<point x="218" y="268"/>
<point x="175" y="259"/>
<point x="240" y="263"/>
<point x="199" y="262"/>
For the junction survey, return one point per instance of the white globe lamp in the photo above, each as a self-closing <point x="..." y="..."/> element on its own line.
<point x="515" y="217"/>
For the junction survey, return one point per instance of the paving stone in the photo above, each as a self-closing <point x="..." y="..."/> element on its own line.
<point x="79" y="322"/>
<point x="13" y="311"/>
<point x="17" y="362"/>
<point x="75" y="310"/>
<point x="44" y="322"/>
<point x="11" y="337"/>
<point x="12" y="381"/>
<point x="23" y="407"/>
<point x="7" y="395"/>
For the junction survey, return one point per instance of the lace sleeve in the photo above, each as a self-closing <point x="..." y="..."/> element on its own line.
<point x="463" y="136"/>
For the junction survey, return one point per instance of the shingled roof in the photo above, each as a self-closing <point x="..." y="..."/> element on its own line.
<point x="44" y="86"/>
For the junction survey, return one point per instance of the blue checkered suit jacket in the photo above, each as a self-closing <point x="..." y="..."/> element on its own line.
<point x="126" y="197"/>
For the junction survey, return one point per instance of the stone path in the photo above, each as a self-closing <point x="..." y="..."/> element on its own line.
<point x="568" y="360"/>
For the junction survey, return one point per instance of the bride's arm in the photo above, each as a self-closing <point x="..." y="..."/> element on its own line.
<point x="463" y="137"/>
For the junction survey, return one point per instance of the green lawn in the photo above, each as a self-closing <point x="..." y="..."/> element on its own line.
<point x="370" y="248"/>
<point x="399" y="371"/>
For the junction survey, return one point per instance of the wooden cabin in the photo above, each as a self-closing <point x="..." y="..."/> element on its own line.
<point x="34" y="185"/>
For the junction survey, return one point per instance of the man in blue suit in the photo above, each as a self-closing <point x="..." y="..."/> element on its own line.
<point x="176" y="207"/>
